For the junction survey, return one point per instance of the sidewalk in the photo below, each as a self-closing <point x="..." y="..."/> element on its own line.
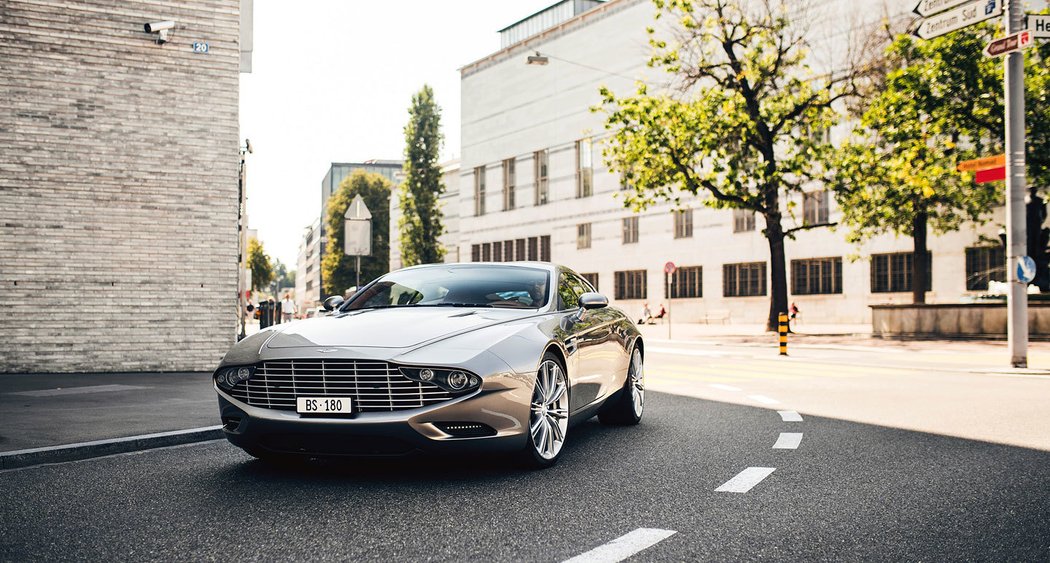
<point x="48" y="410"/>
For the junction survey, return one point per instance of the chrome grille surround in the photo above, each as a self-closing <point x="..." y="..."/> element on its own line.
<point x="373" y="386"/>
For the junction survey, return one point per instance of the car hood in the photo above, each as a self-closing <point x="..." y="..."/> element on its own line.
<point x="390" y="328"/>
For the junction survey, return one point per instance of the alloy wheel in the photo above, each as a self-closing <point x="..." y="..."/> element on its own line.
<point x="550" y="410"/>
<point x="636" y="381"/>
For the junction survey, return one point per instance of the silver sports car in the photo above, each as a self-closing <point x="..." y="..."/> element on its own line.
<point x="437" y="358"/>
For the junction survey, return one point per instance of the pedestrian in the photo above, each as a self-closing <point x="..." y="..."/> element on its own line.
<point x="287" y="308"/>
<point x="647" y="315"/>
<point x="661" y="313"/>
<point x="793" y="310"/>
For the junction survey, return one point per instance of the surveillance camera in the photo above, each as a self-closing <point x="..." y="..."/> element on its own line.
<point x="161" y="29"/>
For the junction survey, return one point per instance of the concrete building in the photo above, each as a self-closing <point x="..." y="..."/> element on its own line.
<point x="449" y="204"/>
<point x="307" y="272"/>
<point x="119" y="184"/>
<point x="535" y="186"/>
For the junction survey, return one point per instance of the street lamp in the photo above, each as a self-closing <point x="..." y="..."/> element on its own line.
<point x="242" y="229"/>
<point x="537" y="59"/>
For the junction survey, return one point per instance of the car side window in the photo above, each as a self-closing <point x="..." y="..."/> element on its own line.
<point x="568" y="293"/>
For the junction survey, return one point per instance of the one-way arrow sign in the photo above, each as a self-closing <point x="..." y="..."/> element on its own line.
<point x="958" y="18"/>
<point x="926" y="7"/>
<point x="1009" y="44"/>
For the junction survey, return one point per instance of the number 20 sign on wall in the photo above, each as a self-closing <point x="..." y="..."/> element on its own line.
<point x="200" y="47"/>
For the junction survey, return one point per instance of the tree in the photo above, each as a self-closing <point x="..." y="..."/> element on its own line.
<point x="282" y="277"/>
<point x="420" y="223"/>
<point x="260" y="264"/>
<point x="338" y="271"/>
<point x="940" y="102"/>
<point x="738" y="128"/>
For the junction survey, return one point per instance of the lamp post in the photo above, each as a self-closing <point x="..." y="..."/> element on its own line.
<point x="242" y="229"/>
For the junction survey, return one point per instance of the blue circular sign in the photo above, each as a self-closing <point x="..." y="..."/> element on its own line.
<point x="1025" y="269"/>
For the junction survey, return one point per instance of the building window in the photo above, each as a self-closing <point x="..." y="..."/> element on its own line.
<point x="591" y="279"/>
<point x="816" y="276"/>
<point x="583" y="235"/>
<point x="743" y="220"/>
<point x="683" y="223"/>
<point x="584" y="167"/>
<point x="475" y="253"/>
<point x="984" y="264"/>
<point x="630" y="284"/>
<point x="687" y="282"/>
<point x="519" y="250"/>
<point x="744" y="280"/>
<point x="486" y="252"/>
<point x="497" y="252"/>
<point x="540" y="161"/>
<point x="534" y="249"/>
<point x="508" y="184"/>
<point x="545" y="248"/>
<point x="891" y="273"/>
<point x="630" y="230"/>
<point x="508" y="250"/>
<point x="479" y="191"/>
<point x="815" y="207"/>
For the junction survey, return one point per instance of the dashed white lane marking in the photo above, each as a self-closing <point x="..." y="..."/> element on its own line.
<point x="624" y="546"/>
<point x="788" y="441"/>
<point x="763" y="399"/>
<point x="725" y="387"/>
<point x="745" y="480"/>
<point x="790" y="416"/>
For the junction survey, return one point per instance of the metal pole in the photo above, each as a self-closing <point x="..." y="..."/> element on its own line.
<point x="358" y="271"/>
<point x="668" y="292"/>
<point x="1016" y="237"/>
<point x="783" y="330"/>
<point x="242" y="301"/>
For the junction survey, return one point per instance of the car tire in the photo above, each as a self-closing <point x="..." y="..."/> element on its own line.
<point x="627" y="406"/>
<point x="548" y="414"/>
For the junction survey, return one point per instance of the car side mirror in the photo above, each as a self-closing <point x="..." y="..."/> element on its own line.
<point x="591" y="300"/>
<point x="333" y="302"/>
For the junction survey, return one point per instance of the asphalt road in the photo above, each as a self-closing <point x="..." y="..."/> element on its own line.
<point x="849" y="491"/>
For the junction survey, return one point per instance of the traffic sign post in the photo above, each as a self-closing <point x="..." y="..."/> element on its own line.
<point x="955" y="19"/>
<point x="1016" y="229"/>
<point x="357" y="232"/>
<point x="669" y="270"/>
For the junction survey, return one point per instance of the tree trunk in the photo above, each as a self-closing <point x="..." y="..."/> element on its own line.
<point x="919" y="258"/>
<point x="778" y="302"/>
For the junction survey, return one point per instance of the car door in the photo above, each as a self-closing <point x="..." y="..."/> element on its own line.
<point x="584" y="338"/>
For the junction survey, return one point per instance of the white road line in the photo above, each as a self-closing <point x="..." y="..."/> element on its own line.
<point x="790" y="416"/>
<point x="788" y="441"/>
<point x="724" y="387"/>
<point x="624" y="546"/>
<point x="763" y="399"/>
<point x="684" y="352"/>
<point x="745" y="480"/>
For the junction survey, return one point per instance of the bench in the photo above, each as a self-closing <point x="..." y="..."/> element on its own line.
<point x="722" y="316"/>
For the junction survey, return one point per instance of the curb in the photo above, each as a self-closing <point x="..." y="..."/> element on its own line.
<point x="99" y="448"/>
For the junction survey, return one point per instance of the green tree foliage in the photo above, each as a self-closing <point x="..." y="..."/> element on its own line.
<point x="737" y="128"/>
<point x="282" y="277"/>
<point x="338" y="271"/>
<point x="260" y="265"/>
<point x="940" y="102"/>
<point x="420" y="223"/>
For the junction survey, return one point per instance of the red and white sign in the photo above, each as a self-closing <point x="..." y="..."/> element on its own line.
<point x="991" y="175"/>
<point x="669" y="268"/>
<point x="1009" y="44"/>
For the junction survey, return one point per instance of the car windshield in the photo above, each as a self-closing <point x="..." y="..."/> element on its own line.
<point x="460" y="286"/>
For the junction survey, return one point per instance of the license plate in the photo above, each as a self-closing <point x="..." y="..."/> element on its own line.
<point x="322" y="405"/>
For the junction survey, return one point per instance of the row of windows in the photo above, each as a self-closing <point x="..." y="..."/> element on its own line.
<point x="812" y="276"/>
<point x="519" y="250"/>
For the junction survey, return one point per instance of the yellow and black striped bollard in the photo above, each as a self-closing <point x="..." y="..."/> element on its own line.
<point x="783" y="334"/>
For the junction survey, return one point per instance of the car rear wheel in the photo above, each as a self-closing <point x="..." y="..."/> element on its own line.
<point x="549" y="414"/>
<point x="627" y="407"/>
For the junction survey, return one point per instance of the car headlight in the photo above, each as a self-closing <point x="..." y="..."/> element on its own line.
<point x="454" y="380"/>
<point x="228" y="378"/>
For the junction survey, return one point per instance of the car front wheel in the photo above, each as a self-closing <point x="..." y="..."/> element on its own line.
<point x="549" y="414"/>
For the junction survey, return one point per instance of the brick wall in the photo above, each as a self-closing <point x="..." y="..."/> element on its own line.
<point x="118" y="185"/>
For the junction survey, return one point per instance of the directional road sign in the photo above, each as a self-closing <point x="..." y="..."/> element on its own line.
<point x="958" y="18"/>
<point x="1039" y="26"/>
<point x="1009" y="44"/>
<point x="929" y="7"/>
<point x="1025" y="269"/>
<point x="357" y="229"/>
<point x="997" y="161"/>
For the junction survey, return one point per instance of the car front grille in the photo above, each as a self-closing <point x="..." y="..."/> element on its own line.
<point x="372" y="386"/>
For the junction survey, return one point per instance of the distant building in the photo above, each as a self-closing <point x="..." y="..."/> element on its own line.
<point x="119" y="184"/>
<point x="307" y="278"/>
<point x="449" y="204"/>
<point x="337" y="172"/>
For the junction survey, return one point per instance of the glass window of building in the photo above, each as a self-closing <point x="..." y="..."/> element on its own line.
<point x="630" y="284"/>
<point x="815" y="207"/>
<point x="545" y="248"/>
<point x="497" y="252"/>
<point x="540" y="161"/>
<point x="630" y="230"/>
<point x="486" y="252"/>
<point x="891" y="273"/>
<point x="816" y="276"/>
<point x="744" y="280"/>
<point x="534" y="249"/>
<point x="584" y="167"/>
<point x="519" y="249"/>
<point x="984" y="264"/>
<point x="743" y="220"/>
<point x="475" y="253"/>
<point x="683" y="223"/>
<point x="592" y="279"/>
<point x="508" y="250"/>
<point x="687" y="282"/>
<point x="583" y="235"/>
<point x="479" y="191"/>
<point x="508" y="184"/>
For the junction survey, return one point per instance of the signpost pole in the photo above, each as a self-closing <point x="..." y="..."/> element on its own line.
<point x="358" y="283"/>
<point x="1017" y="299"/>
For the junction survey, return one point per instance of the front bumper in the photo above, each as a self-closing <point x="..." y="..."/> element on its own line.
<point x="501" y="404"/>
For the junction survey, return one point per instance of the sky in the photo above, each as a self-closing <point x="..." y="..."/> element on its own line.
<point x="331" y="81"/>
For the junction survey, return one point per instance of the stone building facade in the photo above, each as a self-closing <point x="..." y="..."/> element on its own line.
<point x="118" y="185"/>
